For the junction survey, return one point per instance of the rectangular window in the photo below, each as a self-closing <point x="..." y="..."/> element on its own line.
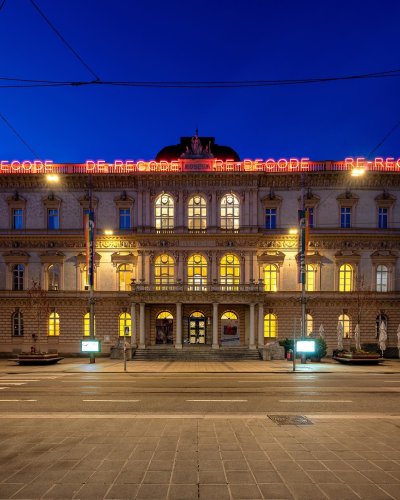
<point x="270" y="218"/>
<point x="382" y="218"/>
<point x="18" y="218"/>
<point x="345" y="217"/>
<point x="53" y="218"/>
<point x="124" y="218"/>
<point x="310" y="212"/>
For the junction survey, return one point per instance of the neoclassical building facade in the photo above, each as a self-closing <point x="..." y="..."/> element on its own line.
<point x="199" y="250"/>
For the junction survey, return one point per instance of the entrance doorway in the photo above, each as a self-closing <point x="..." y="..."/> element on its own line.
<point x="197" y="328"/>
<point x="164" y="328"/>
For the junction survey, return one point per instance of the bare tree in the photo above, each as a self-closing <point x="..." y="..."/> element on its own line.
<point x="39" y="304"/>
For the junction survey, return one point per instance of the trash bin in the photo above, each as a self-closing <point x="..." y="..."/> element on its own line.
<point x="289" y="355"/>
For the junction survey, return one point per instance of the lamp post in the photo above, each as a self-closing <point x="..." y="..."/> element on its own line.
<point x="90" y="256"/>
<point x="303" y="250"/>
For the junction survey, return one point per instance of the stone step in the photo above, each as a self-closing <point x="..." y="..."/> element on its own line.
<point x="195" y="354"/>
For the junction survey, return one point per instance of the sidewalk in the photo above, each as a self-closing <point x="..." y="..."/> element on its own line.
<point x="107" y="365"/>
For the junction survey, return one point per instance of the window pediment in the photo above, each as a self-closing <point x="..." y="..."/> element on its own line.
<point x="385" y="200"/>
<point x="84" y="202"/>
<point x="81" y="259"/>
<point x="347" y="199"/>
<point x="51" y="201"/>
<point x="347" y="257"/>
<point x="271" y="258"/>
<point x="384" y="257"/>
<point x="271" y="201"/>
<point x="124" y="201"/>
<point x="52" y="258"/>
<point x="16" y="257"/>
<point x="121" y="258"/>
<point x="16" y="201"/>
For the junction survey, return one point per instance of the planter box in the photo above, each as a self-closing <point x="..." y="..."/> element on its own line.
<point x="37" y="359"/>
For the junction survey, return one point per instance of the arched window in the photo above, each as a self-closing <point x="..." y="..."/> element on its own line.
<point x="197" y="272"/>
<point x="271" y="278"/>
<point x="382" y="278"/>
<point x="309" y="325"/>
<point x="124" y="277"/>
<point x="125" y="324"/>
<point x="345" y="320"/>
<point x="270" y="325"/>
<point x="86" y="325"/>
<point x="229" y="315"/>
<point x="18" y="277"/>
<point x="54" y="324"/>
<point x="230" y="271"/>
<point x="164" y="271"/>
<point x="84" y="278"/>
<point x="197" y="213"/>
<point x="310" y="278"/>
<point x="17" y="321"/>
<point x="345" y="278"/>
<point x="53" y="277"/>
<point x="379" y="319"/>
<point x="164" y="212"/>
<point x="230" y="212"/>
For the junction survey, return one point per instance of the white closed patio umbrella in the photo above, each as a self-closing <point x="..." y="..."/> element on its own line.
<point x="340" y="336"/>
<point x="321" y="331"/>
<point x="357" y="337"/>
<point x="382" y="337"/>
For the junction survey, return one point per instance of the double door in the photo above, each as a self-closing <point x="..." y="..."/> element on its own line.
<point x="197" y="330"/>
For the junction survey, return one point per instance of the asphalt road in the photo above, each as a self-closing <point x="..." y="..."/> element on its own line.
<point x="214" y="393"/>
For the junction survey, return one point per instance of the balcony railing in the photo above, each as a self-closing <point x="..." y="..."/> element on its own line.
<point x="141" y="286"/>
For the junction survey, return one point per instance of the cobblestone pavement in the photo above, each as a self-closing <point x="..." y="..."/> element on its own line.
<point x="198" y="458"/>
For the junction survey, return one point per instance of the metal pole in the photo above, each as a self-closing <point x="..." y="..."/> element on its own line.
<point x="294" y="345"/>
<point x="91" y="280"/>
<point x="303" y="263"/>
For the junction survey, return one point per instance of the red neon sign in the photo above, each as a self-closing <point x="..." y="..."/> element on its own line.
<point x="281" y="165"/>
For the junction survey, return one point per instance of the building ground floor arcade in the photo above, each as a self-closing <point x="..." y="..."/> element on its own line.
<point x="203" y="320"/>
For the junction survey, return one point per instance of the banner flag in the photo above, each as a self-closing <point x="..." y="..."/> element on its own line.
<point x="90" y="246"/>
<point x="302" y="245"/>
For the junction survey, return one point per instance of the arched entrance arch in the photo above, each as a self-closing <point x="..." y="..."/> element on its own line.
<point x="230" y="334"/>
<point x="164" y="328"/>
<point x="197" y="328"/>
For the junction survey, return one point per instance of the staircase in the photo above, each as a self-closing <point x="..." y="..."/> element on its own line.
<point x="196" y="353"/>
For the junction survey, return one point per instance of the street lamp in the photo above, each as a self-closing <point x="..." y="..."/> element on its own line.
<point x="90" y="257"/>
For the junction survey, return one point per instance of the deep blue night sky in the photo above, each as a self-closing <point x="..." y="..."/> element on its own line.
<point x="208" y="40"/>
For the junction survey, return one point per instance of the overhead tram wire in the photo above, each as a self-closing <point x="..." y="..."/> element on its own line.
<point x="383" y="140"/>
<point x="29" y="83"/>
<point x="24" y="142"/>
<point x="60" y="36"/>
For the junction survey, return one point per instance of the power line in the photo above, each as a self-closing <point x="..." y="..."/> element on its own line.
<point x="2" y="4"/>
<point x="60" y="36"/>
<point x="27" y="82"/>
<point x="383" y="140"/>
<point x="19" y="135"/>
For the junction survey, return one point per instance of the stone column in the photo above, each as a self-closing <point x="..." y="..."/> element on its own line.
<point x="134" y="329"/>
<point x="260" y="324"/>
<point x="215" y="343"/>
<point x="178" y="338"/>
<point x="252" y="344"/>
<point x="142" y="323"/>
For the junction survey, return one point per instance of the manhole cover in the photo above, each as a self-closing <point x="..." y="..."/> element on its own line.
<point x="290" y="419"/>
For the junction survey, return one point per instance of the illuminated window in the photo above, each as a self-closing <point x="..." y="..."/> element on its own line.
<point x="17" y="321"/>
<point x="229" y="315"/>
<point x="230" y="271"/>
<point x="345" y="278"/>
<point x="270" y="325"/>
<point x="164" y="328"/>
<point x="18" y="218"/>
<point x="309" y="325"/>
<point x="382" y="278"/>
<point x="86" y="325"/>
<point x="165" y="315"/>
<point x="125" y="325"/>
<point x="54" y="324"/>
<point x="84" y="278"/>
<point x="125" y="273"/>
<point x="53" y="277"/>
<point x="164" y="271"/>
<point x="345" y="320"/>
<point x="271" y="278"/>
<point x="18" y="277"/>
<point x="230" y="212"/>
<point x="270" y="218"/>
<point x="310" y="278"/>
<point x="197" y="272"/>
<point x="164" y="212"/>
<point x="197" y="213"/>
